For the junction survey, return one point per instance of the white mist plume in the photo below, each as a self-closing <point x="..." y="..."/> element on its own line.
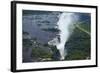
<point x="65" y="25"/>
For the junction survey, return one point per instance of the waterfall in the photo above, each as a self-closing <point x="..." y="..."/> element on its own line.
<point x="65" y="25"/>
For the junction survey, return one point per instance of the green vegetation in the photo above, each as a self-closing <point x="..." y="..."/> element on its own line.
<point x="79" y="45"/>
<point x="56" y="55"/>
<point x="40" y="53"/>
<point x="83" y="27"/>
<point x="76" y="55"/>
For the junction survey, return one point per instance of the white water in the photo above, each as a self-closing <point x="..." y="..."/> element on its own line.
<point x="66" y="25"/>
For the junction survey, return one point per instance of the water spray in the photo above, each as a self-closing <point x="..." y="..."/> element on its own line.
<point x="65" y="25"/>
